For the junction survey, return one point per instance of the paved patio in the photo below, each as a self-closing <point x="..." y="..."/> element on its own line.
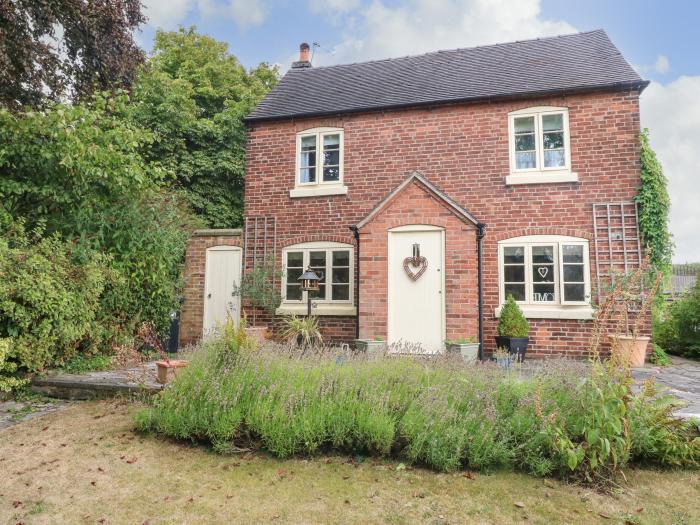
<point x="681" y="379"/>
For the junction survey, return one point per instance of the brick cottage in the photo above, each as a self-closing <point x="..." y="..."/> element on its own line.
<point x="426" y="189"/>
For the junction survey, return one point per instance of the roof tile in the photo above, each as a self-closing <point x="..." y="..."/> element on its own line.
<point x="578" y="62"/>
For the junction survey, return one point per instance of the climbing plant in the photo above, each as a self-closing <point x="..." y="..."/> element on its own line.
<point x="654" y="206"/>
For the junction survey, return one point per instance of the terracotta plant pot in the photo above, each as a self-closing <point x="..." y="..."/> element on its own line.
<point x="259" y="333"/>
<point x="629" y="349"/>
<point x="167" y="370"/>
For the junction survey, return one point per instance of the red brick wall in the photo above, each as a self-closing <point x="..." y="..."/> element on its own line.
<point x="413" y="205"/>
<point x="463" y="150"/>
<point x="192" y="313"/>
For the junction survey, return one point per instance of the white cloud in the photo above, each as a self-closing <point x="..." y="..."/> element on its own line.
<point x="418" y="26"/>
<point x="166" y="14"/>
<point x="247" y="13"/>
<point x="343" y="6"/>
<point x="672" y="114"/>
<point x="661" y="65"/>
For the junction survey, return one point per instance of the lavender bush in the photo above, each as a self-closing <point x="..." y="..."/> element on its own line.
<point x="561" y="418"/>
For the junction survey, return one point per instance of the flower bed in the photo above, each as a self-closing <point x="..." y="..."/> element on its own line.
<point x="441" y="412"/>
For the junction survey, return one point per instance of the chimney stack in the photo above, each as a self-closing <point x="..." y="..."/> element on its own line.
<point x="304" y="51"/>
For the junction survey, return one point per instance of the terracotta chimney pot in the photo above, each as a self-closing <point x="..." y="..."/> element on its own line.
<point x="304" y="52"/>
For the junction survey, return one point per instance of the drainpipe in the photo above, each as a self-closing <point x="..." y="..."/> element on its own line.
<point x="356" y="234"/>
<point x="480" y="234"/>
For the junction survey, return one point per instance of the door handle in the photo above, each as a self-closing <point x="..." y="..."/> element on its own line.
<point x="209" y="296"/>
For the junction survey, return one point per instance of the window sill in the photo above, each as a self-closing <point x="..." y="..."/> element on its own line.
<point x="316" y="309"/>
<point x="582" y="312"/>
<point x="541" y="177"/>
<point x="318" y="191"/>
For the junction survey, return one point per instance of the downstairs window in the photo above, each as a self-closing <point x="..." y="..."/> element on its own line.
<point x="544" y="271"/>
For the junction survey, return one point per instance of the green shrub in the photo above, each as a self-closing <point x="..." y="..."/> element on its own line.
<point x="659" y="356"/>
<point x="49" y="302"/>
<point x="442" y="414"/>
<point x="146" y="238"/>
<point x="8" y="368"/>
<point x="512" y="322"/>
<point x="81" y="364"/>
<point x="657" y="437"/>
<point x="79" y="171"/>
<point x="679" y="331"/>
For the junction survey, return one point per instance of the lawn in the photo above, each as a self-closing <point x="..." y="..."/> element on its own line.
<point x="85" y="464"/>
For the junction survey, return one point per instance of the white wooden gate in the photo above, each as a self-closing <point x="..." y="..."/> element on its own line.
<point x="221" y="277"/>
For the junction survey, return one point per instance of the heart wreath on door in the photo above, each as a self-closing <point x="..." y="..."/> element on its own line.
<point x="415" y="267"/>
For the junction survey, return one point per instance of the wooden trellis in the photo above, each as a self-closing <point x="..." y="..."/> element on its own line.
<point x="617" y="244"/>
<point x="259" y="240"/>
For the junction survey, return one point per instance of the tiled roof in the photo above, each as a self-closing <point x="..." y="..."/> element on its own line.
<point x="561" y="64"/>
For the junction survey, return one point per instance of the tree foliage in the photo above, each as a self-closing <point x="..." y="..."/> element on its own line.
<point x="654" y="204"/>
<point x="192" y="94"/>
<point x="77" y="171"/>
<point x="54" y="49"/>
<point x="66" y="164"/>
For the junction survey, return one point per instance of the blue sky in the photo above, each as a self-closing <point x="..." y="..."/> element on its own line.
<point x="660" y="39"/>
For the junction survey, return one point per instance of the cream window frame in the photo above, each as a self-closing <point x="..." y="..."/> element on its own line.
<point x="558" y="307"/>
<point x="539" y="174"/>
<point x="319" y="134"/>
<point x="329" y="247"/>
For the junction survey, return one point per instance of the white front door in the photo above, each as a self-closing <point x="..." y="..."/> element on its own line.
<point x="415" y="292"/>
<point x="221" y="276"/>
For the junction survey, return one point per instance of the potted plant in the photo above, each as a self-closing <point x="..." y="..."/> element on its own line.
<point x="513" y="329"/>
<point x="373" y="346"/>
<point x="467" y="347"/>
<point x="302" y="331"/>
<point x="628" y="346"/>
<point x="149" y="341"/>
<point x="258" y="288"/>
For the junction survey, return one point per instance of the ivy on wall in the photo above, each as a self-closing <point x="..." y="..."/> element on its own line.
<point x="654" y="205"/>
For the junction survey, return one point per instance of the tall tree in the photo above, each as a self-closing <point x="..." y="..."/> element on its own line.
<point x="193" y="94"/>
<point x="58" y="49"/>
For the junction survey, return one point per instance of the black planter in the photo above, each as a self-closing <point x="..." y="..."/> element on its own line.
<point x="514" y="345"/>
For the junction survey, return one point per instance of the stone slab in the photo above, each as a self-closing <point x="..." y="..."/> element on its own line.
<point x="99" y="385"/>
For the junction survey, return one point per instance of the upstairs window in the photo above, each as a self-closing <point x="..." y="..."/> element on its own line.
<point x="539" y="145"/>
<point x="320" y="157"/>
<point x="545" y="270"/>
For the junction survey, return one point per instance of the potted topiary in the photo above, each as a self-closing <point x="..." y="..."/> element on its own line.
<point x="513" y="329"/>
<point x="372" y="346"/>
<point x="467" y="347"/>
